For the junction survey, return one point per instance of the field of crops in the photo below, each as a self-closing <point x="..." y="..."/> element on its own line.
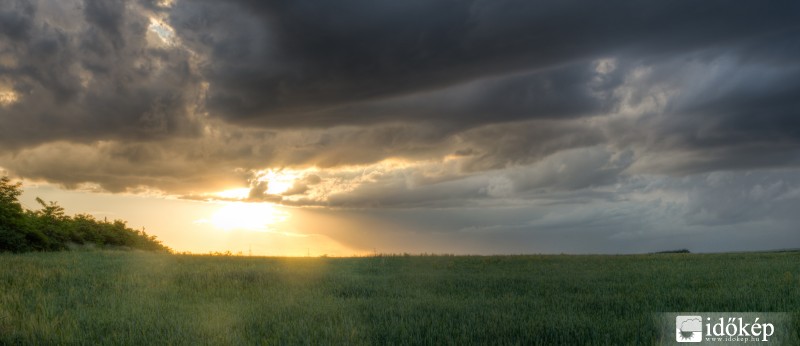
<point x="139" y="298"/>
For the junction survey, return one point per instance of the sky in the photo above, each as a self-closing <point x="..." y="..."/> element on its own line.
<point x="351" y="127"/>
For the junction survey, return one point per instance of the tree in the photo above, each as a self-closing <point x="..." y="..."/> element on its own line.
<point x="53" y="225"/>
<point x="12" y="232"/>
<point x="51" y="229"/>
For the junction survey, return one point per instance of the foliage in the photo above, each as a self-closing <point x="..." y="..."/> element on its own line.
<point x="142" y="298"/>
<point x="51" y="229"/>
<point x="12" y="235"/>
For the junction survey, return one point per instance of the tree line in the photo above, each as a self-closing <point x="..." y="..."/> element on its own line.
<point x="50" y="229"/>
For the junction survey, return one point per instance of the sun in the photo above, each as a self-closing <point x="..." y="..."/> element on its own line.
<point x="247" y="216"/>
<point x="279" y="181"/>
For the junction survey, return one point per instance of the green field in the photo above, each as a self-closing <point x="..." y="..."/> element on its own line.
<point x="140" y="298"/>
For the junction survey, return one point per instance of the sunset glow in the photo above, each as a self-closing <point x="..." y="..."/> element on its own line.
<point x="247" y="216"/>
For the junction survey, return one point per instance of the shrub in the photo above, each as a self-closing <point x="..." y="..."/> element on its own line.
<point x="51" y="229"/>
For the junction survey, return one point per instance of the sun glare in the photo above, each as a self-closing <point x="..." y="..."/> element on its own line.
<point x="240" y="193"/>
<point x="247" y="216"/>
<point x="279" y="181"/>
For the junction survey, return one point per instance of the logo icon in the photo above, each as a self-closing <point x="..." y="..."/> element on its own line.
<point x="688" y="329"/>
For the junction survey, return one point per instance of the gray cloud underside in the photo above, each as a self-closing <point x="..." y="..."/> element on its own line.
<point x="281" y="62"/>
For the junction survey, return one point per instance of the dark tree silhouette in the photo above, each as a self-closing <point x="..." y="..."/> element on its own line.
<point x="12" y="238"/>
<point x="51" y="229"/>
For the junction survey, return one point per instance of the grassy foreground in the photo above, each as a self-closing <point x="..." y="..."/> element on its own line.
<point x="138" y="298"/>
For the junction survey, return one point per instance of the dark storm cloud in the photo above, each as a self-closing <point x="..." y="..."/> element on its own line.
<point x="557" y="93"/>
<point x="724" y="110"/>
<point x="283" y="63"/>
<point x="500" y="94"/>
<point x="16" y="19"/>
<point x="88" y="70"/>
<point x="107" y="17"/>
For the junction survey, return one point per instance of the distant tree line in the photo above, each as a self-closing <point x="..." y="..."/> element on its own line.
<point x="50" y="229"/>
<point x="675" y="251"/>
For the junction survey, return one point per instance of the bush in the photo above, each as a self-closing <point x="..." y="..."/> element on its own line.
<point x="50" y="229"/>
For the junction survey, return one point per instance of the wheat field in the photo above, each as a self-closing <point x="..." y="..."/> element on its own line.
<point x="138" y="298"/>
